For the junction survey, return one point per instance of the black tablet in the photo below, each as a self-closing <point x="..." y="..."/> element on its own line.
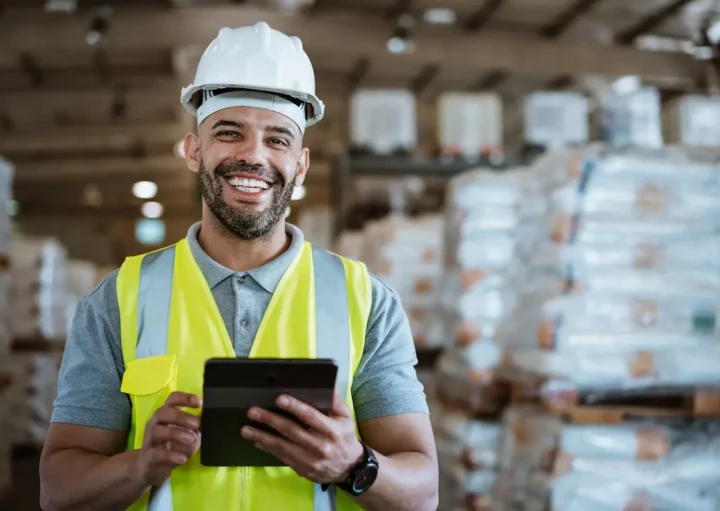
<point x="233" y="386"/>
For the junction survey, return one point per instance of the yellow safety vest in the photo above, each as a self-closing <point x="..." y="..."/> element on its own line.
<point x="170" y="325"/>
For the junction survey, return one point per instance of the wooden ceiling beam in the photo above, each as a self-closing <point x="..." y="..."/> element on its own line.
<point x="361" y="36"/>
<point x="652" y="22"/>
<point x="42" y="140"/>
<point x="563" y="22"/>
<point x="479" y="18"/>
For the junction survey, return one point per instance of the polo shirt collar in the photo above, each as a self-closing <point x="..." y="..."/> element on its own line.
<point x="267" y="276"/>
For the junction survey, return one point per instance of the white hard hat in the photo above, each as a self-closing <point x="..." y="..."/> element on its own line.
<point x="259" y="66"/>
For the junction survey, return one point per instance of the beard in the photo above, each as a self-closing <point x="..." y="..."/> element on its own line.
<point x="237" y="218"/>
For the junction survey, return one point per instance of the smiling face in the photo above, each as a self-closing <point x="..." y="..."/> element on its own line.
<point x="249" y="161"/>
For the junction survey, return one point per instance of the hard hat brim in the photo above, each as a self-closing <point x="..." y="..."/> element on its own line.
<point x="318" y="108"/>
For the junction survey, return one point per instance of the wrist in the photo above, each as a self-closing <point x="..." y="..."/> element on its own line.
<point x="362" y="474"/>
<point x="133" y="471"/>
<point x="357" y="457"/>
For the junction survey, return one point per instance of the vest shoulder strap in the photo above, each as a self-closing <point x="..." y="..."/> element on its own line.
<point x="144" y="299"/>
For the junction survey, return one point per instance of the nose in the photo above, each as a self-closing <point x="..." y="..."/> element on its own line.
<point x="252" y="150"/>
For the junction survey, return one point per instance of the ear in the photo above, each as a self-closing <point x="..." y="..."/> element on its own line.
<point x="192" y="152"/>
<point x="303" y="164"/>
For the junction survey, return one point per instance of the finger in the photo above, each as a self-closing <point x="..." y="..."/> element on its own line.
<point x="176" y="439"/>
<point x="290" y="430"/>
<point x="292" y="455"/>
<point x="340" y="408"/>
<point x="167" y="415"/>
<point x="183" y="399"/>
<point x="307" y="414"/>
<point x="163" y="457"/>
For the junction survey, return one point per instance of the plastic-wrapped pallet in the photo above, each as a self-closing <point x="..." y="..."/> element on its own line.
<point x="630" y="277"/>
<point x="39" y="297"/>
<point x="633" y="466"/>
<point x="406" y="254"/>
<point x="491" y="227"/>
<point x="467" y="459"/>
<point x="34" y="381"/>
<point x="489" y="231"/>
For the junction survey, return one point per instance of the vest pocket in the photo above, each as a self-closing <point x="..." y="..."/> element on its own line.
<point x="148" y="381"/>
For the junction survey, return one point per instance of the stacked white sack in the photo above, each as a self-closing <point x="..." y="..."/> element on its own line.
<point x="489" y="232"/>
<point x="491" y="228"/>
<point x="467" y="459"/>
<point x="406" y="253"/>
<point x="34" y="381"/>
<point x="633" y="466"/>
<point x="634" y="290"/>
<point x="39" y="296"/>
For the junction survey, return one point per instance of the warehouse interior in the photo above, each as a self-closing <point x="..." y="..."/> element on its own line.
<point x="539" y="180"/>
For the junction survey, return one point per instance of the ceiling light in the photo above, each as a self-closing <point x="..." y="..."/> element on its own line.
<point x="150" y="232"/>
<point x="440" y="16"/>
<point x="399" y="45"/>
<point x="152" y="210"/>
<point x="179" y="149"/>
<point x="299" y="193"/>
<point x="66" y="6"/>
<point x="713" y="32"/>
<point x="627" y="85"/>
<point x="145" y="189"/>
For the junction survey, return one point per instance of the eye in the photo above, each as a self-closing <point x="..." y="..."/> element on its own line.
<point x="228" y="134"/>
<point x="278" y="141"/>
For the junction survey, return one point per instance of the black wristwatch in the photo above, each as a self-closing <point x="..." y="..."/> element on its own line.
<point x="362" y="476"/>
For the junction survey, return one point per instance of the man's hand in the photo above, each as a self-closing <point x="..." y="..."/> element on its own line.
<point x="323" y="454"/>
<point x="171" y="437"/>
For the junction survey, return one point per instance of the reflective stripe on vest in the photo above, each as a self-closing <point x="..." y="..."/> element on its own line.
<point x="332" y="323"/>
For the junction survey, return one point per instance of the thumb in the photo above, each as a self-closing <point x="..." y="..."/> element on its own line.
<point x="339" y="407"/>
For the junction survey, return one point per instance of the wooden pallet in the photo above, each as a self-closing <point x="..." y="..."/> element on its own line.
<point x="573" y="407"/>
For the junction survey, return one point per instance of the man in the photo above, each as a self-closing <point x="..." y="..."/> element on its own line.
<point x="125" y="428"/>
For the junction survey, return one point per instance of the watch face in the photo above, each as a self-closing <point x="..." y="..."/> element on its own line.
<point x="365" y="478"/>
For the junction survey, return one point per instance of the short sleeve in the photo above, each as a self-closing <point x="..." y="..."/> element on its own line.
<point x="386" y="382"/>
<point x="92" y="365"/>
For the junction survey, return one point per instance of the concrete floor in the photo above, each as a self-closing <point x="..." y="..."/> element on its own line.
<point x="26" y="493"/>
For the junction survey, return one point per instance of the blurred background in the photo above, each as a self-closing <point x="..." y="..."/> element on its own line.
<point x="538" y="179"/>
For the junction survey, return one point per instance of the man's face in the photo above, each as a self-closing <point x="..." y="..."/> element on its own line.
<point x="249" y="162"/>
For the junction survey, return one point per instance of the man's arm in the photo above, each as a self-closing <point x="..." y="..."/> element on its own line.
<point x="408" y="476"/>
<point x="391" y="409"/>
<point x="83" y="464"/>
<point x="85" y="468"/>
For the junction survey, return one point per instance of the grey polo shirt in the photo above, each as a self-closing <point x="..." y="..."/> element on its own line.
<point x="92" y="368"/>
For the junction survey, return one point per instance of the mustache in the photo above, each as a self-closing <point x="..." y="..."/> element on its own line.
<point x="227" y="168"/>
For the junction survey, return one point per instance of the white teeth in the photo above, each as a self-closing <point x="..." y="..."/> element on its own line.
<point x="251" y="185"/>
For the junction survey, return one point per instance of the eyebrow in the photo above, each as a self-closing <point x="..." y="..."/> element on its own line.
<point x="268" y="129"/>
<point x="227" y="123"/>
<point x="280" y="129"/>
